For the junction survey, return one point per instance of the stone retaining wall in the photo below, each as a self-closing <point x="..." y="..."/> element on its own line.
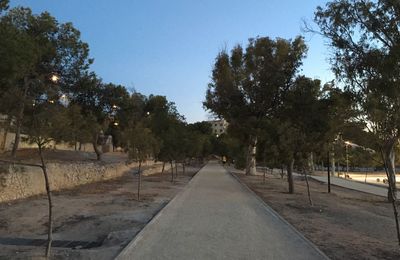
<point x="18" y="182"/>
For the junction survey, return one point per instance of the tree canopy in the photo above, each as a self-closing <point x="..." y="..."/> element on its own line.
<point x="248" y="86"/>
<point x="365" y="37"/>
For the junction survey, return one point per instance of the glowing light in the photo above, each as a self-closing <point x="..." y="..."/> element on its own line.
<point x="55" y="78"/>
<point x="116" y="123"/>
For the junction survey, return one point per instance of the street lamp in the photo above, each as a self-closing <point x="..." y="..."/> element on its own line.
<point x="54" y="78"/>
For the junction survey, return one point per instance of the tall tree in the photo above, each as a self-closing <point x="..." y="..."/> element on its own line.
<point x="248" y="86"/>
<point x="168" y="126"/>
<point x="34" y="48"/>
<point x="365" y="37"/>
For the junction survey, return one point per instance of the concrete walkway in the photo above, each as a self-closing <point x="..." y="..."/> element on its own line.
<point x="354" y="185"/>
<point x="216" y="217"/>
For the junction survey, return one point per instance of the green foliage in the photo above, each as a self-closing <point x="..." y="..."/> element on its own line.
<point x="78" y="125"/>
<point x="366" y="54"/>
<point x="201" y="127"/>
<point x="248" y="86"/>
<point x="47" y="122"/>
<point x="32" y="49"/>
<point x="168" y="127"/>
<point x="141" y="143"/>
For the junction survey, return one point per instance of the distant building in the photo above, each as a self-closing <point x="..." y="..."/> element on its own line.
<point x="218" y="126"/>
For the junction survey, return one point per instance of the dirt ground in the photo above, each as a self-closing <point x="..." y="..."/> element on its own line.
<point x="344" y="224"/>
<point x="106" y="212"/>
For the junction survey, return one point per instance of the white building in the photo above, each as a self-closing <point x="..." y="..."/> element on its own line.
<point x="218" y="126"/>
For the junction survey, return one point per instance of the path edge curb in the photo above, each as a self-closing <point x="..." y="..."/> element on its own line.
<point x="123" y="253"/>
<point x="277" y="215"/>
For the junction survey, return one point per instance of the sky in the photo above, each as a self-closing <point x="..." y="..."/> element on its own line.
<point x="168" y="47"/>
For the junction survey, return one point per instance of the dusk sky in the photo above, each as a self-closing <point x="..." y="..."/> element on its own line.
<point x="168" y="47"/>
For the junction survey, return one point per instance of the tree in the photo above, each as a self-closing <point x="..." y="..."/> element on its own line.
<point x="98" y="103"/>
<point x="247" y="87"/>
<point x="304" y="125"/>
<point x="365" y="40"/>
<point x="199" y="136"/>
<point x="340" y="109"/>
<point x="125" y="112"/>
<point x="47" y="123"/>
<point x="141" y="145"/>
<point x="32" y="49"/>
<point x="169" y="128"/>
<point x="76" y="125"/>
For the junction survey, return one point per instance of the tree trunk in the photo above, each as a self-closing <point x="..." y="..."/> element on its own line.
<point x="176" y="169"/>
<point x="49" y="197"/>
<point x="163" y="167"/>
<point x="337" y="168"/>
<point x="333" y="162"/>
<point x="4" y="140"/>
<point x="172" y="171"/>
<point x="265" y="172"/>
<point x="290" y="176"/>
<point x="251" y="157"/>
<point x="282" y="173"/>
<point x="183" y="168"/>
<point x="389" y="159"/>
<point x="20" y="117"/>
<point x="75" y="144"/>
<point x="329" y="175"/>
<point x="6" y="130"/>
<point x="308" y="188"/>
<point x="96" y="149"/>
<point x="311" y="162"/>
<point x="139" y="180"/>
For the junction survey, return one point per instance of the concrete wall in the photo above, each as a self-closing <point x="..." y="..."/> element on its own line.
<point x="18" y="182"/>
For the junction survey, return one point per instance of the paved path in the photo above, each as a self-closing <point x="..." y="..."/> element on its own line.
<point x="354" y="185"/>
<point x="215" y="217"/>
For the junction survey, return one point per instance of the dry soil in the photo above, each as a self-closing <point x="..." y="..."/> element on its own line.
<point x="344" y="224"/>
<point x="105" y="212"/>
